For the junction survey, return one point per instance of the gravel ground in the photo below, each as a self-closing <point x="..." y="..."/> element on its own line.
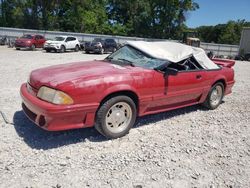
<point x="189" y="147"/>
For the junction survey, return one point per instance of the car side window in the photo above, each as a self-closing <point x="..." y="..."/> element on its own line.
<point x="70" y="39"/>
<point x="189" y="64"/>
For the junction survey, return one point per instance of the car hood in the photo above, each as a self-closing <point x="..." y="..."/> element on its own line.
<point x="72" y="74"/>
<point x="53" y="42"/>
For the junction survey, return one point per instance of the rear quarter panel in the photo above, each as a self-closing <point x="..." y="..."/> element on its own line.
<point x="225" y="75"/>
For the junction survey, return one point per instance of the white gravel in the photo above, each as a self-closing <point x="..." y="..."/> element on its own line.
<point x="189" y="147"/>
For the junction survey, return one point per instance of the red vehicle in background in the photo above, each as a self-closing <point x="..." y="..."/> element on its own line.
<point x="30" y="42"/>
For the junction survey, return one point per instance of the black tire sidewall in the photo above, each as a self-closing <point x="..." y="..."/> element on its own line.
<point x="102" y="51"/>
<point x="77" y="48"/>
<point x="33" y="47"/>
<point x="62" y="49"/>
<point x="209" y="105"/>
<point x="101" y="116"/>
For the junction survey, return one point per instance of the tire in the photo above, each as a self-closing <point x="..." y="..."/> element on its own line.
<point x="115" y="117"/>
<point x="102" y="51"/>
<point x="87" y="52"/>
<point x="33" y="47"/>
<point x="114" y="49"/>
<point x="213" y="100"/>
<point x="77" y="48"/>
<point x="17" y="48"/>
<point x="47" y="50"/>
<point x="62" y="49"/>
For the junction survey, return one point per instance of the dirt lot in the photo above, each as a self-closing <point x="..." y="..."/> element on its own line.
<point x="190" y="147"/>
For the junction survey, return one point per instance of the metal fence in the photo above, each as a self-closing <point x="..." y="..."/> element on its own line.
<point x="218" y="49"/>
<point x="221" y="49"/>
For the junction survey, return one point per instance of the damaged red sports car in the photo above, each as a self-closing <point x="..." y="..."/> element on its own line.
<point x="138" y="79"/>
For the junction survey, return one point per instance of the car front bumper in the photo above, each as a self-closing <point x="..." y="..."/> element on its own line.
<point x="23" y="45"/>
<point x="53" y="117"/>
<point x="94" y="49"/>
<point x="51" y="47"/>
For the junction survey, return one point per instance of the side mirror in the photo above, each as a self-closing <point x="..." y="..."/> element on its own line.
<point x="170" y="71"/>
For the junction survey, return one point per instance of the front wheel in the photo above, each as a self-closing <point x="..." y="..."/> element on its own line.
<point x="114" y="49"/>
<point x="116" y="116"/>
<point x="62" y="49"/>
<point x="102" y="51"/>
<point x="33" y="47"/>
<point x="215" y="96"/>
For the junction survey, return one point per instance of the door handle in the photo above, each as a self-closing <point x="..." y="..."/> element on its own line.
<point x="198" y="76"/>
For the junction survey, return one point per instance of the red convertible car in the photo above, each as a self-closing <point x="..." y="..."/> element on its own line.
<point x="138" y="79"/>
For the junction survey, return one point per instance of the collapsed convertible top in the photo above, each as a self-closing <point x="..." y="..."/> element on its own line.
<point x="173" y="52"/>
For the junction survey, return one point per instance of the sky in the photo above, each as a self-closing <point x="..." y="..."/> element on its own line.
<point x="213" y="12"/>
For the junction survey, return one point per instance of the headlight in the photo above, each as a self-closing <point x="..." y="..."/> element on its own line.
<point x="54" y="96"/>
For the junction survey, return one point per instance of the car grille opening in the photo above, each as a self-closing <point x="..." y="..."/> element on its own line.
<point x="42" y="121"/>
<point x="29" y="113"/>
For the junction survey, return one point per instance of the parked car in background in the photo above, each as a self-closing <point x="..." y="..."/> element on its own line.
<point x="110" y="45"/>
<point x="62" y="43"/>
<point x="101" y="46"/>
<point x="30" y="42"/>
<point x="136" y="80"/>
<point x="11" y="42"/>
<point x="3" y="40"/>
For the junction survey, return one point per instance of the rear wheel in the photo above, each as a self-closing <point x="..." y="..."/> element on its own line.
<point x="17" y="48"/>
<point x="215" y="96"/>
<point x="76" y="48"/>
<point x="47" y="50"/>
<point x="116" y="116"/>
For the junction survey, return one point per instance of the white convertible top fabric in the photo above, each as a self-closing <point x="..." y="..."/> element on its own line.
<point x="173" y="52"/>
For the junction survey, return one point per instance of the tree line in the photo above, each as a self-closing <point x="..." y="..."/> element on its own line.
<point x="228" y="33"/>
<point x="164" y="19"/>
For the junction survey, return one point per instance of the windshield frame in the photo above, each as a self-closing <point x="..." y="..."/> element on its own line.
<point x="152" y="64"/>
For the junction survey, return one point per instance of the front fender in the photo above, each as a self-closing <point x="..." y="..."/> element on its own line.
<point x="116" y="89"/>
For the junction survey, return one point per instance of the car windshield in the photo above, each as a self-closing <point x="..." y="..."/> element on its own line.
<point x="129" y="55"/>
<point x="110" y="40"/>
<point x="26" y="37"/>
<point x="59" y="39"/>
<point x="97" y="40"/>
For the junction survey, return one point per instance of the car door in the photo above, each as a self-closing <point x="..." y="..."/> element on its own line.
<point x="71" y="42"/>
<point x="67" y="43"/>
<point x="178" y="90"/>
<point x="39" y="41"/>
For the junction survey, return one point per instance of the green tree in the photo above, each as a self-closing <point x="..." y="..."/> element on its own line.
<point x="228" y="33"/>
<point x="151" y="18"/>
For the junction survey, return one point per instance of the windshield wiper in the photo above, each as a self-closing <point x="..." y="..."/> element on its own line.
<point x="127" y="61"/>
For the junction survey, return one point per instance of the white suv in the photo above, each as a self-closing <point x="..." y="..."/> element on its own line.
<point x="62" y="43"/>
